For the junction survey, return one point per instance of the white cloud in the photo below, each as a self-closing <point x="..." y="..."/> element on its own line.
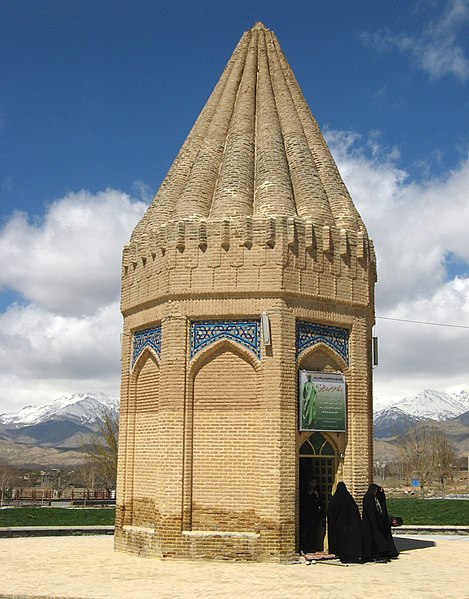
<point x="56" y="346"/>
<point x="430" y="351"/>
<point x="65" y="336"/>
<point x="43" y="355"/>
<point x="70" y="262"/>
<point x="436" y="50"/>
<point x="413" y="226"/>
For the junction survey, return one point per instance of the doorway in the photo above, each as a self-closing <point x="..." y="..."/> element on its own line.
<point x="317" y="460"/>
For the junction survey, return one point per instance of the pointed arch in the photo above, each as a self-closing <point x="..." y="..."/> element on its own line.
<point x="144" y="422"/>
<point x="223" y="344"/>
<point x="318" y="458"/>
<point x="143" y="356"/>
<point x="318" y="444"/>
<point x="321" y="357"/>
<point x="223" y="410"/>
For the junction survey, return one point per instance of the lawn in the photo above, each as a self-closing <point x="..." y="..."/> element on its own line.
<point x="430" y="511"/>
<point x="411" y="510"/>
<point x="56" y="516"/>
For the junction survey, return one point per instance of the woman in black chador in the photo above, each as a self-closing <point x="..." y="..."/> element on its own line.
<point x="312" y="519"/>
<point x="344" y="526"/>
<point x="377" y="538"/>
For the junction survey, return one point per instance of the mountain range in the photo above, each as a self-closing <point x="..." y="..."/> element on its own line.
<point x="53" y="433"/>
<point x="427" y="405"/>
<point x="447" y="413"/>
<point x="81" y="408"/>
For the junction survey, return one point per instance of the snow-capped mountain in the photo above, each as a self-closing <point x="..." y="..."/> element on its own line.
<point x="429" y="404"/>
<point x="63" y="425"/>
<point x="391" y="422"/>
<point x="463" y="398"/>
<point x="81" y="408"/>
<point x="436" y="405"/>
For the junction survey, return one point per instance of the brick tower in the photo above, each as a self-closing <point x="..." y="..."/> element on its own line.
<point x="250" y="266"/>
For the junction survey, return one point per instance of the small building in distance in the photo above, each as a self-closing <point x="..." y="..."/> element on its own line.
<point x="248" y="304"/>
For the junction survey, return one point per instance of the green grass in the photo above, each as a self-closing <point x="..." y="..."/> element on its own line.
<point x="430" y="511"/>
<point x="411" y="510"/>
<point x="56" y="516"/>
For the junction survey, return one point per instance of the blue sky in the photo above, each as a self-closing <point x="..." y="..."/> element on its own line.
<point x="96" y="99"/>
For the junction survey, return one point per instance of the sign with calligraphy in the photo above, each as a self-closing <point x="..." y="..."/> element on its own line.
<point x="322" y="403"/>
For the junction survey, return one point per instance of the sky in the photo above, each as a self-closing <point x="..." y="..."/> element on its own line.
<point x="97" y="97"/>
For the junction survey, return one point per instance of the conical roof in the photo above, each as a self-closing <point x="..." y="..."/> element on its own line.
<point x="255" y="150"/>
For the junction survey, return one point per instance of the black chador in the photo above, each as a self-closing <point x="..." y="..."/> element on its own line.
<point x="344" y="526"/>
<point x="377" y="538"/>
<point x="312" y="519"/>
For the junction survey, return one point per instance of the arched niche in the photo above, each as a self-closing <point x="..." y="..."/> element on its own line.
<point x="225" y="420"/>
<point x="144" y="422"/>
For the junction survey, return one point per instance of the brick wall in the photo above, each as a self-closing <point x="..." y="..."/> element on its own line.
<point x="146" y="465"/>
<point x="227" y="442"/>
<point x="225" y="464"/>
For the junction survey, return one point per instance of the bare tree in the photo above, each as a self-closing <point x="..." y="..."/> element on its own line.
<point x="428" y="455"/>
<point x="86" y="475"/>
<point x="7" y="475"/>
<point x="418" y="455"/>
<point x="444" y="457"/>
<point x="101" y="451"/>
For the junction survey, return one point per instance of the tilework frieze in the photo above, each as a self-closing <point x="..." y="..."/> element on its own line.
<point x="147" y="338"/>
<point x="243" y="332"/>
<point x="309" y="334"/>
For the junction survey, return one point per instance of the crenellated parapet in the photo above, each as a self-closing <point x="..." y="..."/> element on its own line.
<point x="273" y="255"/>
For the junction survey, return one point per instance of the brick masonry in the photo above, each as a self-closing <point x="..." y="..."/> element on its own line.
<point x="252" y="217"/>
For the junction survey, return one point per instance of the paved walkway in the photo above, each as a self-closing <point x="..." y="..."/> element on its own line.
<point x="55" y="531"/>
<point x="429" y="567"/>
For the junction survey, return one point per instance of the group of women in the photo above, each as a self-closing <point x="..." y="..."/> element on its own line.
<point x="355" y="539"/>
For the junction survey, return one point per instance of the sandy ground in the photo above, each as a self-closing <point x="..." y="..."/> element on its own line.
<point x="432" y="567"/>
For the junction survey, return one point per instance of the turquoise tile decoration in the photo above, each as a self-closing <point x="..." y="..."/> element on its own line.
<point x="147" y="338"/>
<point x="309" y="334"/>
<point x="243" y="332"/>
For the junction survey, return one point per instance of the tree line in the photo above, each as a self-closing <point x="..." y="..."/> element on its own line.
<point x="426" y="456"/>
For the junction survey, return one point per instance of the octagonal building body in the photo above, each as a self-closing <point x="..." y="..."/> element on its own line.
<point x="251" y="265"/>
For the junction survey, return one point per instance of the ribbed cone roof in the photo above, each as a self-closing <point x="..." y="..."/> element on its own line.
<point x="255" y="150"/>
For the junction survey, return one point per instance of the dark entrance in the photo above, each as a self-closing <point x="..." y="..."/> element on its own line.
<point x="318" y="461"/>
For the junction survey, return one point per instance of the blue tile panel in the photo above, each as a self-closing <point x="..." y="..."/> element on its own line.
<point x="244" y="332"/>
<point x="309" y="334"/>
<point x="147" y="338"/>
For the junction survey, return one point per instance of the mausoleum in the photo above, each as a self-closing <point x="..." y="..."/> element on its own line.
<point x="248" y="304"/>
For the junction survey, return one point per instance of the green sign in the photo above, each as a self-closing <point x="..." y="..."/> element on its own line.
<point x="322" y="401"/>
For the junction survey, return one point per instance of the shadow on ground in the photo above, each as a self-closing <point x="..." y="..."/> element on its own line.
<point x="408" y="544"/>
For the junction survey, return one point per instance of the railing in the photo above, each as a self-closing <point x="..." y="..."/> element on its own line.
<point x="48" y="495"/>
